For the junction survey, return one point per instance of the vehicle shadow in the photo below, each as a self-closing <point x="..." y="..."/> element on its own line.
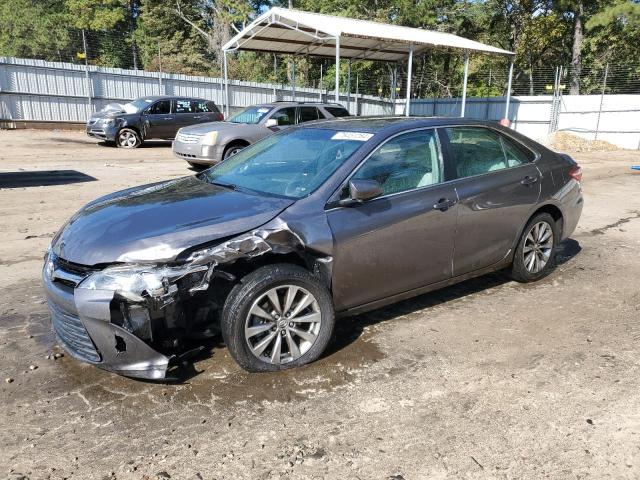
<point x="145" y="144"/>
<point x="348" y="330"/>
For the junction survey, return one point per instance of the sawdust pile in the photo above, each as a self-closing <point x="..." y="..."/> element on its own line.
<point x="567" y="142"/>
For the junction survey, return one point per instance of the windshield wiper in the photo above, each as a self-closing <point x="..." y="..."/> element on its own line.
<point x="230" y="186"/>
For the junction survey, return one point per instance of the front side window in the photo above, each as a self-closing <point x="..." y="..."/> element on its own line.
<point x="163" y="107"/>
<point x="285" y="116"/>
<point x="406" y="162"/>
<point x="291" y="164"/>
<point x="478" y="150"/>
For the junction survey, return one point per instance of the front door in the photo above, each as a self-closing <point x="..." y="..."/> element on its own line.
<point x="159" y="120"/>
<point x="498" y="185"/>
<point x="403" y="239"/>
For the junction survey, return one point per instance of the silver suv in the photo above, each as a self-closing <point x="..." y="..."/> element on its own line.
<point x="210" y="143"/>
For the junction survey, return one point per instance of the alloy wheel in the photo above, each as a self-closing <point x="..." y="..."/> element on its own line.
<point x="127" y="139"/>
<point x="538" y="246"/>
<point x="282" y="324"/>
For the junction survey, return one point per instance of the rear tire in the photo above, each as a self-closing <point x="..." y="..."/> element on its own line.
<point x="277" y="317"/>
<point x="128" y="138"/>
<point x="535" y="256"/>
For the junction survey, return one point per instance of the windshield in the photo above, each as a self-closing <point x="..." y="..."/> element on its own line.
<point x="291" y="164"/>
<point x="250" y="115"/>
<point x="137" y="105"/>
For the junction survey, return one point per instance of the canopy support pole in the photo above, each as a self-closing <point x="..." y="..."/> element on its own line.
<point x="464" y="84"/>
<point x="409" y="68"/>
<point x="293" y="78"/>
<point x="337" y="94"/>
<point x="226" y="86"/>
<point x="349" y="87"/>
<point x="506" y="108"/>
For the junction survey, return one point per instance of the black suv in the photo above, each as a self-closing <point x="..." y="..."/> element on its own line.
<point x="128" y="125"/>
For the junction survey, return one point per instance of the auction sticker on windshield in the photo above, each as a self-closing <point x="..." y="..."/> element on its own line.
<point x="358" y="136"/>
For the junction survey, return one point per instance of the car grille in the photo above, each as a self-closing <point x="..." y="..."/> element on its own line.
<point x="68" y="273"/>
<point x="72" y="334"/>
<point x="186" y="155"/>
<point x="189" y="137"/>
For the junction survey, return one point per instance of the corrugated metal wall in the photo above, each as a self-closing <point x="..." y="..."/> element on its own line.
<point x="51" y="91"/>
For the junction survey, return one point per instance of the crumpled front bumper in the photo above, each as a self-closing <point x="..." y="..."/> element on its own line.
<point x="81" y="320"/>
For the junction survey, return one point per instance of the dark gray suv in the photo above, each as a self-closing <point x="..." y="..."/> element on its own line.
<point x="324" y="219"/>
<point x="128" y="125"/>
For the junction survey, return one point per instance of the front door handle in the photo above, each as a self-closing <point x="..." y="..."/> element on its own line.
<point x="529" y="180"/>
<point x="444" y="204"/>
<point x="168" y="118"/>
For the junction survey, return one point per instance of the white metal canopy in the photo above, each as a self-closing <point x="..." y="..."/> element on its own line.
<point x="295" y="32"/>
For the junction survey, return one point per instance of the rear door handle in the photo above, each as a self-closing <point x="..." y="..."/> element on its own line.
<point x="529" y="180"/>
<point x="444" y="204"/>
<point x="197" y="116"/>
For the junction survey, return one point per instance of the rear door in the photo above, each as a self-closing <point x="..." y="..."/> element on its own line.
<point x="205" y="111"/>
<point x="159" y="120"/>
<point x="309" y="114"/>
<point x="497" y="185"/>
<point x="184" y="113"/>
<point x="403" y="239"/>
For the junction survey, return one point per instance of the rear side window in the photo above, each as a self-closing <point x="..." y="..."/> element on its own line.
<point x="163" y="107"/>
<point x="404" y="163"/>
<point x="308" y="114"/>
<point x="477" y="151"/>
<point x="182" y="106"/>
<point x="285" y="116"/>
<point x="337" y="111"/>
<point x="199" y="106"/>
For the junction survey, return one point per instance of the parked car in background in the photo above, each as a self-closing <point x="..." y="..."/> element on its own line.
<point x="325" y="219"/>
<point x="211" y="143"/>
<point x="129" y="125"/>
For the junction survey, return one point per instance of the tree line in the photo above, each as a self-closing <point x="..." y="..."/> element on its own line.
<point x="185" y="36"/>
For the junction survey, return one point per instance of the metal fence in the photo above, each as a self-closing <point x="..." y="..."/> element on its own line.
<point x="36" y="90"/>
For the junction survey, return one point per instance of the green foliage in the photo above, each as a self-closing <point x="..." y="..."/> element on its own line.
<point x="185" y="36"/>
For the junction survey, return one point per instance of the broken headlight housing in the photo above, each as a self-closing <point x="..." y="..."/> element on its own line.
<point x="137" y="282"/>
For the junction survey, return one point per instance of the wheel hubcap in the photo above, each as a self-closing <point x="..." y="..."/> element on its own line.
<point x="127" y="139"/>
<point x="538" y="246"/>
<point x="282" y="324"/>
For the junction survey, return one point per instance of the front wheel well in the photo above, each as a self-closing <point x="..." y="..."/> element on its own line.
<point x="235" y="143"/>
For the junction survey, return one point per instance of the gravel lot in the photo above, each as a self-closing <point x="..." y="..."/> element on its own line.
<point x="486" y="379"/>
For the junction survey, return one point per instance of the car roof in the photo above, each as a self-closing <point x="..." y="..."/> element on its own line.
<point x="387" y="124"/>
<point x="297" y="104"/>
<point x="153" y="98"/>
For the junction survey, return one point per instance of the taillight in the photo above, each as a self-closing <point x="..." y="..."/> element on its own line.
<point x="221" y="116"/>
<point x="576" y="173"/>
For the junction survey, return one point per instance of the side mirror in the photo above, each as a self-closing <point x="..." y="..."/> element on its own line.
<point x="271" y="122"/>
<point x="361" y="191"/>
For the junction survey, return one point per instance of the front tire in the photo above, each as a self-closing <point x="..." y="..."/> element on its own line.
<point x="232" y="149"/>
<point x="277" y="317"/>
<point x="128" y="138"/>
<point x="535" y="255"/>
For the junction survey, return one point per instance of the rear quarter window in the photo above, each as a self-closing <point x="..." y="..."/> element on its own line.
<point x="338" y="111"/>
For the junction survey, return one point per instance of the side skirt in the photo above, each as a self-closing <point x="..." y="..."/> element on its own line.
<point x="426" y="289"/>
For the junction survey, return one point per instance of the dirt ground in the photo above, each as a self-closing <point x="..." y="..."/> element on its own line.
<point x="486" y="379"/>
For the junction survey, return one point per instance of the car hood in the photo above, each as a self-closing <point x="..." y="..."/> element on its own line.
<point x="154" y="223"/>
<point x="202" y="128"/>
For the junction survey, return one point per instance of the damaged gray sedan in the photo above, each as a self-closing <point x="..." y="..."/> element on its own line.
<point x="323" y="220"/>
